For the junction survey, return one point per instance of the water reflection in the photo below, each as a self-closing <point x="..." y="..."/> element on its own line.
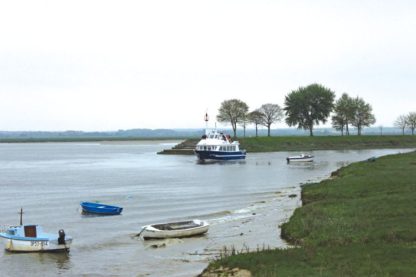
<point x="205" y="162"/>
<point x="60" y="259"/>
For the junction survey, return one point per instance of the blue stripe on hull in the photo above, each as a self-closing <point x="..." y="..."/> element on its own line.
<point x="220" y="155"/>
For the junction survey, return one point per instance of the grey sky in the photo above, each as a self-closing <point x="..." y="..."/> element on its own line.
<point x="107" y="65"/>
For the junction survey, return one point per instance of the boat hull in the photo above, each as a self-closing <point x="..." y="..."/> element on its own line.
<point x="220" y="155"/>
<point x="153" y="232"/>
<point x="37" y="245"/>
<point x="299" y="159"/>
<point x="100" y="209"/>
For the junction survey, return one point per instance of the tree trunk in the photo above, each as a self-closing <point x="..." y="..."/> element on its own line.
<point x="347" y="131"/>
<point x="311" y="131"/>
<point x="234" y="125"/>
<point x="268" y="130"/>
<point x="256" y="130"/>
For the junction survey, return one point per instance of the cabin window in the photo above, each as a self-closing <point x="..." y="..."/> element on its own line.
<point x="30" y="231"/>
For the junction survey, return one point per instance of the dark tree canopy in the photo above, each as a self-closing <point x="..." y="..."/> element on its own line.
<point x="232" y="111"/>
<point x="308" y="106"/>
<point x="344" y="114"/>
<point x="272" y="113"/>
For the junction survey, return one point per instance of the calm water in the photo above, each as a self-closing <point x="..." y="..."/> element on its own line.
<point x="239" y="200"/>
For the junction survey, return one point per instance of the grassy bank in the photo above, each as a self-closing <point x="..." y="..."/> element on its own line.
<point x="361" y="222"/>
<point x="270" y="144"/>
<point x="298" y="143"/>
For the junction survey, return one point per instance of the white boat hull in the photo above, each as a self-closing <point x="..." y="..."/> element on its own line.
<point x="17" y="245"/>
<point x="301" y="160"/>
<point x="151" y="232"/>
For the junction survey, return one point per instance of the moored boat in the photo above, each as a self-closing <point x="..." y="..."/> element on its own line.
<point x="300" y="158"/>
<point x="31" y="238"/>
<point x="218" y="146"/>
<point x="100" y="209"/>
<point x="174" y="229"/>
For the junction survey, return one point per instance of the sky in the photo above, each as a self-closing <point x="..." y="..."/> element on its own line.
<point x="109" y="65"/>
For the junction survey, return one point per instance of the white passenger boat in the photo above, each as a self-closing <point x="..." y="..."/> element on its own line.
<point x="218" y="146"/>
<point x="300" y="158"/>
<point x="174" y="229"/>
<point x="31" y="238"/>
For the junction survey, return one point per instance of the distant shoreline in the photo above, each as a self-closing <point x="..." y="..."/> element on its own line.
<point x="92" y="139"/>
<point x="254" y="144"/>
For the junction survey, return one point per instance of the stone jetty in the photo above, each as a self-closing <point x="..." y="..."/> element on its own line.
<point x="184" y="148"/>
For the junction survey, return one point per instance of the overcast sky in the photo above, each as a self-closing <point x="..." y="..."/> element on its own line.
<point x="109" y="65"/>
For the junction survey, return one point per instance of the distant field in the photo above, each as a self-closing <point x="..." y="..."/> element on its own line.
<point x="361" y="222"/>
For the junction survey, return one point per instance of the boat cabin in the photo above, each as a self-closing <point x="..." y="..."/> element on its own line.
<point x="28" y="231"/>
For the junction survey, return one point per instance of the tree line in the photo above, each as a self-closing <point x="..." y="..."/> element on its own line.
<point x="305" y="107"/>
<point x="406" y="121"/>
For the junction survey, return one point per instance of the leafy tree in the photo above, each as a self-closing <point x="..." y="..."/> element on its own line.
<point x="362" y="115"/>
<point x="308" y="106"/>
<point x="271" y="113"/>
<point x="411" y="120"/>
<point x="401" y="122"/>
<point x="233" y="111"/>
<point x="344" y="113"/>
<point x="256" y="118"/>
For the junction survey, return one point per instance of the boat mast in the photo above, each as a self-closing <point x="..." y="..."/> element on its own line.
<point x="21" y="216"/>
<point x="206" y="118"/>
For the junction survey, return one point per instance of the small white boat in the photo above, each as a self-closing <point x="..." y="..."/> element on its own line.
<point x="174" y="229"/>
<point x="300" y="158"/>
<point x="31" y="238"/>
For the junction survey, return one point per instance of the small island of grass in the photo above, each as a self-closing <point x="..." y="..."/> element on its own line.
<point x="360" y="222"/>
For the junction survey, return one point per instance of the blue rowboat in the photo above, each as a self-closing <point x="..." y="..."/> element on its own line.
<point x="99" y="208"/>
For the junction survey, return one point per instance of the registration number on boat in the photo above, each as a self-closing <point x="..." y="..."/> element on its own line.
<point x="39" y="243"/>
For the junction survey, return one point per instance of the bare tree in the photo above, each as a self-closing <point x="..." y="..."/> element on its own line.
<point x="272" y="113"/>
<point x="411" y="121"/>
<point x="256" y="118"/>
<point x="401" y="122"/>
<point x="233" y="111"/>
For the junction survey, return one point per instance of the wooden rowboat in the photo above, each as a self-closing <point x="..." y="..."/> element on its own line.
<point x="174" y="229"/>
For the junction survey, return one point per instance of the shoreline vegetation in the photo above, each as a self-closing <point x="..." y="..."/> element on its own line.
<point x="359" y="222"/>
<point x="305" y="143"/>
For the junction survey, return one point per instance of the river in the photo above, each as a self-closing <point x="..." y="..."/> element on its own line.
<point x="244" y="202"/>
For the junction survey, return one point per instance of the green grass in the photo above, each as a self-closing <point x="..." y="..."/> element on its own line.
<point x="362" y="222"/>
<point x="303" y="143"/>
